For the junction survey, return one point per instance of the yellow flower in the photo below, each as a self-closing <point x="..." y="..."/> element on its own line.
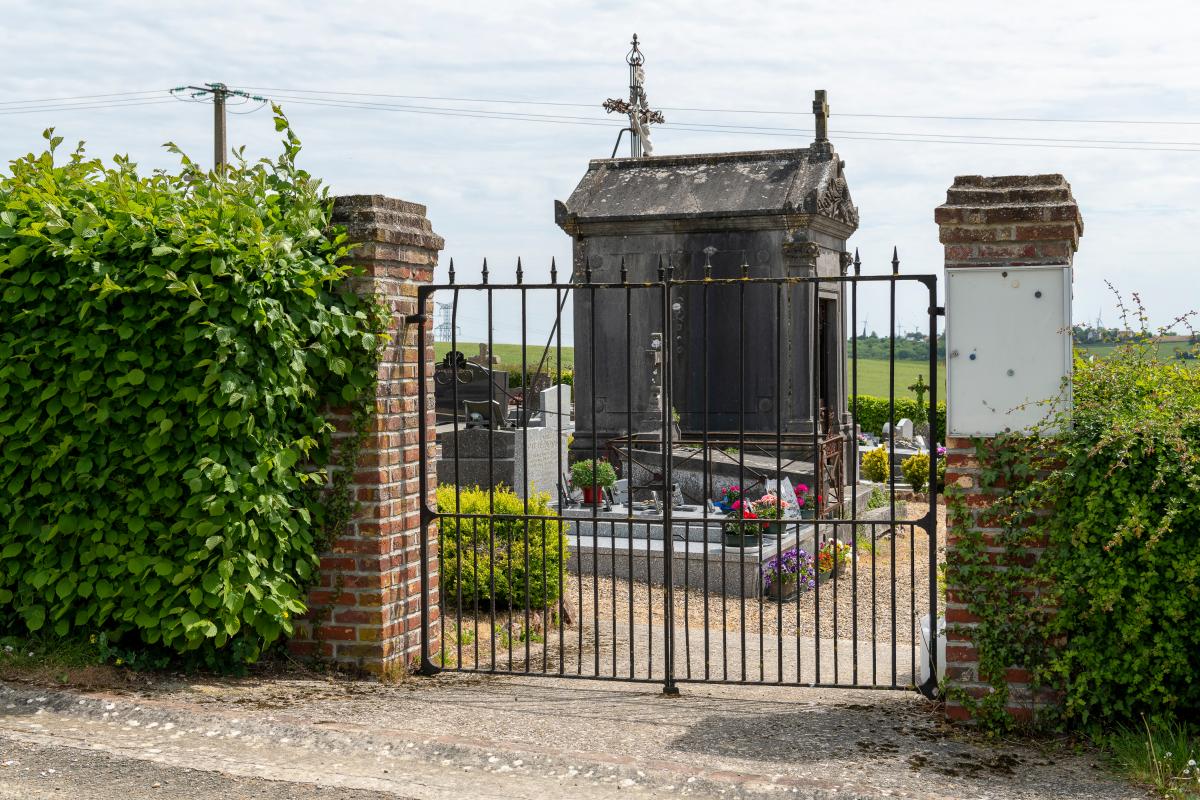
<point x="120" y="661"/>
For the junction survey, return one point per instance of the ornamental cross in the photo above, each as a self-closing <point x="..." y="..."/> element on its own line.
<point x="637" y="107"/>
<point x="920" y="388"/>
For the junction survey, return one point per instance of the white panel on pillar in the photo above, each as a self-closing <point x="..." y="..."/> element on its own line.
<point x="1008" y="347"/>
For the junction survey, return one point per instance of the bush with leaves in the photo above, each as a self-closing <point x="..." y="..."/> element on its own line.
<point x="876" y="465"/>
<point x="1110" y="493"/>
<point x="915" y="469"/>
<point x="873" y="414"/>
<point x="497" y="549"/>
<point x="168" y="343"/>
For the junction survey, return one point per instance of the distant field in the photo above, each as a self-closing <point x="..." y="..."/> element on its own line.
<point x="872" y="373"/>
<point x="510" y="354"/>
<point x="873" y="377"/>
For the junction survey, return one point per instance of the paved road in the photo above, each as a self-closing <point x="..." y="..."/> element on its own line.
<point x="36" y="771"/>
<point x="466" y="737"/>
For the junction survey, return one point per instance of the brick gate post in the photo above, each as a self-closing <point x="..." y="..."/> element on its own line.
<point x="1008" y="221"/>
<point x="366" y="605"/>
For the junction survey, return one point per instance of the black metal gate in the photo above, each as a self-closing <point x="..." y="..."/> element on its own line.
<point x="655" y="583"/>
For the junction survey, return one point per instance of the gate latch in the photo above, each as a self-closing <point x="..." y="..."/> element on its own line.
<point x="938" y="311"/>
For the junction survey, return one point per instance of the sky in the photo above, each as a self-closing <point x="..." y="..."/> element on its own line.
<point x="489" y="184"/>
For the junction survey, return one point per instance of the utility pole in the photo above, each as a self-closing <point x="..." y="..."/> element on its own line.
<point x="219" y="93"/>
<point x="218" y="96"/>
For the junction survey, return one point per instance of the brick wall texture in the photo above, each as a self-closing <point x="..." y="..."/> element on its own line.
<point x="365" y="608"/>
<point x="1014" y="220"/>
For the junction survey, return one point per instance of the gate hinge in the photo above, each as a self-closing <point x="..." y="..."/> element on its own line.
<point x="938" y="311"/>
<point x="415" y="319"/>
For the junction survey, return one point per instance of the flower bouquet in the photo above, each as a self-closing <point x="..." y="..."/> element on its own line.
<point x="831" y="557"/>
<point x="786" y="574"/>
<point x="771" y="507"/>
<point x="805" y="501"/>
<point x="729" y="494"/>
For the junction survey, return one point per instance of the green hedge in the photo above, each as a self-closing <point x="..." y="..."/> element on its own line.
<point x="167" y="344"/>
<point x="1124" y="552"/>
<point x="494" y="558"/>
<point x="873" y="414"/>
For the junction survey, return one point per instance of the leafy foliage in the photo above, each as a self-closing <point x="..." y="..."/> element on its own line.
<point x="593" y="472"/>
<point x="1112" y="498"/>
<point x="873" y="414"/>
<point x="915" y="469"/>
<point x="498" y="549"/>
<point x="167" y="346"/>
<point x="877" y="465"/>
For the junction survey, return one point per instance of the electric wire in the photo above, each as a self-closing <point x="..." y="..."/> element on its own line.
<point x="947" y="117"/>
<point x="309" y="97"/>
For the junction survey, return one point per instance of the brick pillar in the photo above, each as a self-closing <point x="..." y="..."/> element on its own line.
<point x="365" y="608"/>
<point x="1015" y="220"/>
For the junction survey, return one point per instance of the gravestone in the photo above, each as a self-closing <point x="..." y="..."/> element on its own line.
<point x="457" y="379"/>
<point x="780" y="213"/>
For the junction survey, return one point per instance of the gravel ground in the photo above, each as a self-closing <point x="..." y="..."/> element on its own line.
<point x="596" y="604"/>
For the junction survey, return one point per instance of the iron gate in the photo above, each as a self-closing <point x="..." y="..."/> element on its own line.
<point x="658" y="589"/>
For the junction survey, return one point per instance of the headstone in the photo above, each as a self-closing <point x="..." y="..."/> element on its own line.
<point x="483" y="414"/>
<point x="621" y="491"/>
<point x="904" y="428"/>
<point x="552" y="413"/>
<point x="485" y="357"/>
<point x="461" y="380"/>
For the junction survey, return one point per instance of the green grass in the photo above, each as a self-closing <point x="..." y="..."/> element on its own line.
<point x="872" y="373"/>
<point x="873" y="377"/>
<point x="510" y="354"/>
<point x="1163" y="755"/>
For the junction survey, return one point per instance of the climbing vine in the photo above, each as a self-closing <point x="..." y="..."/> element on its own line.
<point x="1105" y="616"/>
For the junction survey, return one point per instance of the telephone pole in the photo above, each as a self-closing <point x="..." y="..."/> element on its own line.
<point x="219" y="93"/>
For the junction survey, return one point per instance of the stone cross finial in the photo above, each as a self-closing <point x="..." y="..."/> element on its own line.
<point x="821" y="112"/>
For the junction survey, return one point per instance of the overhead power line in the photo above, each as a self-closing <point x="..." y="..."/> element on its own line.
<point x="79" y="97"/>
<point x="805" y="113"/>
<point x="883" y="136"/>
<point x="351" y="101"/>
<point x="83" y="107"/>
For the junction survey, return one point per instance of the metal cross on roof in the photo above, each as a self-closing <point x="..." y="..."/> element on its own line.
<point x="637" y="108"/>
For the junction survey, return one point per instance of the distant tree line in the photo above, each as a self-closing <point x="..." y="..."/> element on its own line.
<point x="912" y="346"/>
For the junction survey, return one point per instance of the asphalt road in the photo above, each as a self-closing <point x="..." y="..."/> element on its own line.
<point x="34" y="771"/>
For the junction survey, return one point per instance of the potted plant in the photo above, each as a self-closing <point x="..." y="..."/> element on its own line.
<point x="831" y="557"/>
<point x="788" y="573"/>
<point x="805" y="501"/>
<point x="743" y="527"/>
<point x="770" y="507"/>
<point x="592" y="476"/>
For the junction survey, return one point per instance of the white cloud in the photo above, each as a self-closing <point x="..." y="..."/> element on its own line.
<point x="490" y="184"/>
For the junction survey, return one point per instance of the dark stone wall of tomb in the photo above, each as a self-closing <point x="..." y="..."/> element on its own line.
<point x="739" y="353"/>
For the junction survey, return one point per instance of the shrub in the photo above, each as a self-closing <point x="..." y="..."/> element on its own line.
<point x="589" y="472"/>
<point x="169" y="343"/>
<point x="1115" y="630"/>
<point x="495" y="556"/>
<point x="915" y="469"/>
<point x="1124" y="538"/>
<point x="873" y="414"/>
<point x="877" y="465"/>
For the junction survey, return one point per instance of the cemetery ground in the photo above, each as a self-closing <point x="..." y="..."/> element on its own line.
<point x="72" y="727"/>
